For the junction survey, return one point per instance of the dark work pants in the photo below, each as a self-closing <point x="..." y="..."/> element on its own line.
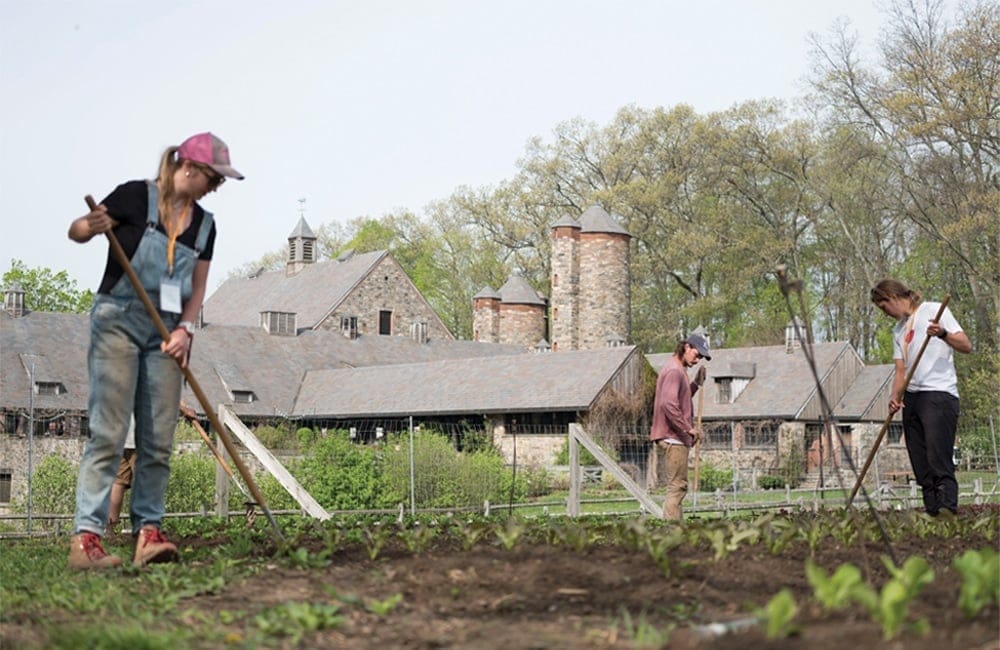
<point x="929" y="422"/>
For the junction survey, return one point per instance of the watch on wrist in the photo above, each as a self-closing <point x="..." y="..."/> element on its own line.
<point x="187" y="326"/>
<point x="942" y="335"/>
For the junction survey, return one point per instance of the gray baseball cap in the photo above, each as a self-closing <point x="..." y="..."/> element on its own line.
<point x="699" y="343"/>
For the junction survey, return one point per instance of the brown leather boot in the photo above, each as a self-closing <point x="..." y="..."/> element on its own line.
<point x="86" y="552"/>
<point x="152" y="546"/>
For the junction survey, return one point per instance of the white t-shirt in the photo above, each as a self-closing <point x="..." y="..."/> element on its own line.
<point x="130" y="438"/>
<point x="936" y="370"/>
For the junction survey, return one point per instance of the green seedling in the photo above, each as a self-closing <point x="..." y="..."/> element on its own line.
<point x="980" y="572"/>
<point x="381" y="608"/>
<point x="779" y="615"/>
<point x="643" y="633"/>
<point x="508" y="533"/>
<point x="294" y="620"/>
<point x="839" y="590"/>
<point x="892" y="604"/>
<point x="375" y="538"/>
<point x="418" y="537"/>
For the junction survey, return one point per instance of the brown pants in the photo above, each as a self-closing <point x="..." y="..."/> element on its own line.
<point x="676" y="462"/>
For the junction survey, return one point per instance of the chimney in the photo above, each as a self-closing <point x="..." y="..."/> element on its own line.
<point x="14" y="300"/>
<point x="792" y="335"/>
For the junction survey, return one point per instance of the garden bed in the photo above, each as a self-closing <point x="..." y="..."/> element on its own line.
<point x="495" y="583"/>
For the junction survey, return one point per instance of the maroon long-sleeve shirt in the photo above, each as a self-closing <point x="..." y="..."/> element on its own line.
<point x="673" y="407"/>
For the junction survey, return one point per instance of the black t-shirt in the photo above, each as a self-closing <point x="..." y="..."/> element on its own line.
<point x="127" y="205"/>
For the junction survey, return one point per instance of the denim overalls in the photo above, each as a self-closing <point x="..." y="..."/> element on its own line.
<point x="128" y="373"/>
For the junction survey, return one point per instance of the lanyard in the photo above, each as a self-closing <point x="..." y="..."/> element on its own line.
<point x="908" y="335"/>
<point x="173" y="227"/>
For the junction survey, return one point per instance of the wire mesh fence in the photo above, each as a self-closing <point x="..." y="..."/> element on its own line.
<point x="395" y="466"/>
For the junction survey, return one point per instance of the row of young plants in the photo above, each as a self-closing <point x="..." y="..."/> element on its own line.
<point x="34" y="585"/>
<point x="887" y="605"/>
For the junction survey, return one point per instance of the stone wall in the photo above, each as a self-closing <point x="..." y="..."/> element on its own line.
<point x="605" y="282"/>
<point x="14" y="451"/>
<point x="387" y="288"/>
<point x="486" y="320"/>
<point x="564" y="289"/>
<point x="534" y="450"/>
<point x="522" y="324"/>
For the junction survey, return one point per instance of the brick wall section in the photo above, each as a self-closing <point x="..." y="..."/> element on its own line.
<point x="522" y="324"/>
<point x="565" y="283"/>
<point x="387" y="287"/>
<point x="605" y="295"/>
<point x="486" y="320"/>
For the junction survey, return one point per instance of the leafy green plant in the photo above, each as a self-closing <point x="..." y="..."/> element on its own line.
<point x="890" y="607"/>
<point x="382" y="608"/>
<point x="980" y="571"/>
<point x="659" y="544"/>
<point x="417" y="537"/>
<point x="642" y="633"/>
<point x="710" y="478"/>
<point x="509" y="532"/>
<point x="375" y="538"/>
<point x="779" y="615"/>
<point x="294" y="619"/>
<point x="191" y="487"/>
<point x="301" y="558"/>
<point x="837" y="591"/>
<point x="53" y="486"/>
<point x="305" y="437"/>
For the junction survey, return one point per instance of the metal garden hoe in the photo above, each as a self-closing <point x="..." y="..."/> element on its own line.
<point x="885" y="425"/>
<point x="123" y="261"/>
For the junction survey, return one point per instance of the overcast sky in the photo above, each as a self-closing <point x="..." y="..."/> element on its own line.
<point x="358" y="107"/>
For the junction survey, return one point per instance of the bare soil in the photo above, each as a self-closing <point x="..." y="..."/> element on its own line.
<point x="539" y="596"/>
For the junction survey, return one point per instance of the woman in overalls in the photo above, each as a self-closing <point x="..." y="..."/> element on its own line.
<point x="169" y="240"/>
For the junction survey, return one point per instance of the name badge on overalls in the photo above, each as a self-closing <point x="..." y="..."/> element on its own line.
<point x="170" y="295"/>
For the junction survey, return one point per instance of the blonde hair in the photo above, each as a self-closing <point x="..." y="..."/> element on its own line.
<point x="169" y="164"/>
<point x="889" y="289"/>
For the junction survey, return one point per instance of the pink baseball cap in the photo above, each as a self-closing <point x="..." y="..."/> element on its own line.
<point x="207" y="149"/>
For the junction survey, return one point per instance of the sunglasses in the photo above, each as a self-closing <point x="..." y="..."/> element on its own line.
<point x="215" y="179"/>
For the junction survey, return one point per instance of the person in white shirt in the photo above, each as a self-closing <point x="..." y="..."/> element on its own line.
<point x="930" y="403"/>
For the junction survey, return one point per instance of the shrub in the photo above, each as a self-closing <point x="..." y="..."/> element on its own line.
<point x="53" y="487"/>
<point x="711" y="479"/>
<point x="342" y="475"/>
<point x="586" y="458"/>
<point x="276" y="437"/>
<point x="446" y="478"/>
<point x="192" y="483"/>
<point x="305" y="437"/>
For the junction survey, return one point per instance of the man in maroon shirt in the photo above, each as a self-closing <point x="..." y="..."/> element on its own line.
<point x="673" y="430"/>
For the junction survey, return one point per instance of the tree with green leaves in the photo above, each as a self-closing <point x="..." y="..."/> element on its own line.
<point x="46" y="290"/>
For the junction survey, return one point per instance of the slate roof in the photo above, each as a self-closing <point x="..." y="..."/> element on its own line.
<point x="517" y="291"/>
<point x="311" y="293"/>
<point x="782" y="385"/>
<point x="57" y="344"/>
<point x="596" y="219"/>
<point x="868" y="396"/>
<point x="234" y="357"/>
<point x="565" y="221"/>
<point x="302" y="230"/>
<point x="564" y="381"/>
